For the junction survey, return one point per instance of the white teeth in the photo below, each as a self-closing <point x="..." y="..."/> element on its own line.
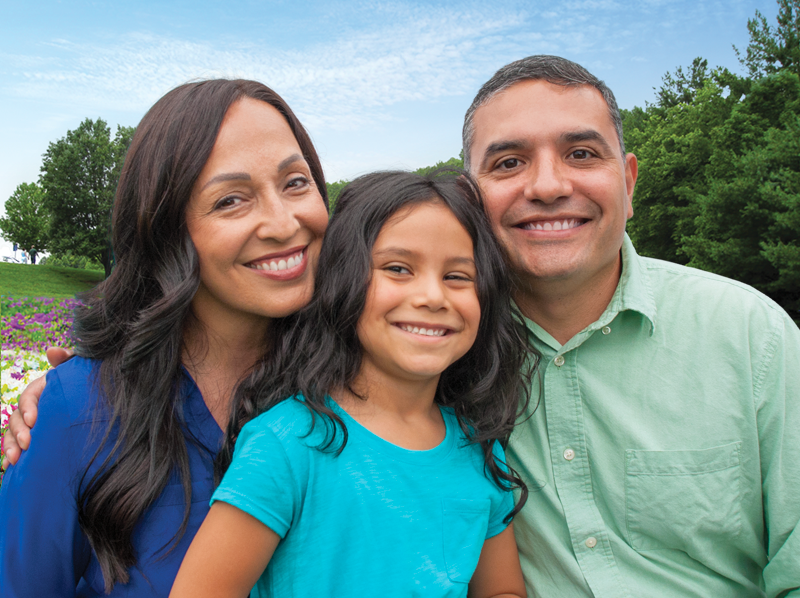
<point x="293" y="261"/>
<point x="423" y="331"/>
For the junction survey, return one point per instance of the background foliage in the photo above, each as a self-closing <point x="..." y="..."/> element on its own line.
<point x="719" y="164"/>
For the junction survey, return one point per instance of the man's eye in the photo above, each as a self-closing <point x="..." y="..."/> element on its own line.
<point x="581" y="154"/>
<point x="509" y="163"/>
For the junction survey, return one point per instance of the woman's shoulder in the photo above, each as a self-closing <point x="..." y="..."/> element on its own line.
<point x="73" y="389"/>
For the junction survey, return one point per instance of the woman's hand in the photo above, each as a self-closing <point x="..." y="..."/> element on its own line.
<point x="18" y="436"/>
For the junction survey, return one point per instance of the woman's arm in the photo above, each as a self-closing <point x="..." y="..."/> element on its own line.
<point x="227" y="556"/>
<point x="43" y="551"/>
<point x="498" y="572"/>
<point x="18" y="436"/>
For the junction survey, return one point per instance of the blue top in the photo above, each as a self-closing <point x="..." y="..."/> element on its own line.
<point x="43" y="551"/>
<point x="377" y="520"/>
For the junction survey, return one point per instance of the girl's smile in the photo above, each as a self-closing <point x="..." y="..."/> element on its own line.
<point x="422" y="311"/>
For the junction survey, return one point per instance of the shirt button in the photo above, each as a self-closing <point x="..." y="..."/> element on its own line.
<point x="559" y="361"/>
<point x="591" y="542"/>
<point x="569" y="454"/>
<point x="606" y="329"/>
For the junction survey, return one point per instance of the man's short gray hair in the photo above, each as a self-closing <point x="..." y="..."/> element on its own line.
<point x="553" y="69"/>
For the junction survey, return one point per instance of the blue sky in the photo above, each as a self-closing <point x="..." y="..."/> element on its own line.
<point x="378" y="84"/>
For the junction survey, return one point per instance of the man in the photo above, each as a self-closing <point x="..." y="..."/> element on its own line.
<point x="662" y="447"/>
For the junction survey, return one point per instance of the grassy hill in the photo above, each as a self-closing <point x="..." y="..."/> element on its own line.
<point x="25" y="280"/>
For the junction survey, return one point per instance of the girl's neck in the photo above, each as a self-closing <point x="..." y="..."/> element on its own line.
<point x="402" y="412"/>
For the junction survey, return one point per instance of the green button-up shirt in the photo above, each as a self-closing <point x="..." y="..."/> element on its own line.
<point x="662" y="450"/>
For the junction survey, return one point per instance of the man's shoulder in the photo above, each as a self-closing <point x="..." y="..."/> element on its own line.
<point x="698" y="291"/>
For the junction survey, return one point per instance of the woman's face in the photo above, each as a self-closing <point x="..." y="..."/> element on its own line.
<point x="256" y="219"/>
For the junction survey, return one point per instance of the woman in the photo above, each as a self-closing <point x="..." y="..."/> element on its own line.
<point x="218" y="221"/>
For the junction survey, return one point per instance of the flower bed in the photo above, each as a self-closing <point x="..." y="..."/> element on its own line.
<point x="28" y="327"/>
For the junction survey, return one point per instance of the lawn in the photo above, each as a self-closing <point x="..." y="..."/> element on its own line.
<point x="26" y="280"/>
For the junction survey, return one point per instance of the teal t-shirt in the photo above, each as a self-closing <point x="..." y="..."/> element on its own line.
<point x="376" y="520"/>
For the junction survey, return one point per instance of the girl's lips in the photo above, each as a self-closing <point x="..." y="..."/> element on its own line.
<point x="424" y="330"/>
<point x="284" y="266"/>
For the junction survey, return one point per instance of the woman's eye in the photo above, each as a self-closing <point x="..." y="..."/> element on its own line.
<point x="298" y="182"/>
<point x="227" y="202"/>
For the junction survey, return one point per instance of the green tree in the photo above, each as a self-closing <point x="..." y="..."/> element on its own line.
<point x="773" y="49"/>
<point x="748" y="221"/>
<point x="79" y="175"/>
<point x="26" y="221"/>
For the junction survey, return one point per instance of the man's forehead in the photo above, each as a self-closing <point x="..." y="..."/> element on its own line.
<point x="536" y="105"/>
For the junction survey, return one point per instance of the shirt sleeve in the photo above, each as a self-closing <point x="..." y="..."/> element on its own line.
<point x="43" y="551"/>
<point x="260" y="480"/>
<point x="503" y="503"/>
<point x="778" y="414"/>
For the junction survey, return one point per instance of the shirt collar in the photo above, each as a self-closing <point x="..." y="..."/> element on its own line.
<point x="633" y="293"/>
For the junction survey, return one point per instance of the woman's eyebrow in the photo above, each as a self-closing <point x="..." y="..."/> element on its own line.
<point x="290" y="160"/>
<point x="227" y="176"/>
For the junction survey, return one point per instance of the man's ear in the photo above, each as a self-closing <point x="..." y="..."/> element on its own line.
<point x="631" y="172"/>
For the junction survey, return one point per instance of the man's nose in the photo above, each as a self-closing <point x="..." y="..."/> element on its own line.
<point x="548" y="180"/>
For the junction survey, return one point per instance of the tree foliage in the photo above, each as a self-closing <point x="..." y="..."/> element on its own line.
<point x="26" y="222"/>
<point x="719" y="156"/>
<point x="79" y="176"/>
<point x="773" y="49"/>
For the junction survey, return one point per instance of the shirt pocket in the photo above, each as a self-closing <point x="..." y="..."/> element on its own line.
<point x="465" y="523"/>
<point x="681" y="499"/>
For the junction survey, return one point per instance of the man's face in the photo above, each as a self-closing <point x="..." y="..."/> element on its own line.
<point x="557" y="189"/>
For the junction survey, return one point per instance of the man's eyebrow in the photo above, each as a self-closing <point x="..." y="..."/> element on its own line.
<point x="227" y="176"/>
<point x="585" y="135"/>
<point x="501" y="146"/>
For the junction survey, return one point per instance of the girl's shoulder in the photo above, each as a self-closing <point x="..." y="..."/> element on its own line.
<point x="289" y="421"/>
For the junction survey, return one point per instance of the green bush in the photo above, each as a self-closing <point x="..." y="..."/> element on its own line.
<point x="70" y="260"/>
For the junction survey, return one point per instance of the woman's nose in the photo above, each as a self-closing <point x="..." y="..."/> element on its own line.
<point x="277" y="220"/>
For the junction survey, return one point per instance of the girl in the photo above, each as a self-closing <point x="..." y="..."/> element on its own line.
<point x="383" y="473"/>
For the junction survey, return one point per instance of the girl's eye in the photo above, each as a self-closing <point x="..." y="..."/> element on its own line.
<point x="459" y="276"/>
<point x="397" y="270"/>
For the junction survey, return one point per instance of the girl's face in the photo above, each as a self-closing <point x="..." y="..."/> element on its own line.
<point x="422" y="311"/>
<point x="256" y="219"/>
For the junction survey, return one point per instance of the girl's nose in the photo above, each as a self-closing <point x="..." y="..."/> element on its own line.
<point x="430" y="293"/>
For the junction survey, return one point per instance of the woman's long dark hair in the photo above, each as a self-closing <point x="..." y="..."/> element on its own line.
<point x="317" y="350"/>
<point x="135" y="320"/>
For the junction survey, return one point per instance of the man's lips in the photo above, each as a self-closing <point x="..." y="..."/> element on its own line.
<point x="552" y="224"/>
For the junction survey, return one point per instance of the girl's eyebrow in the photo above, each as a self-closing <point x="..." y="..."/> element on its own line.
<point x="403" y="252"/>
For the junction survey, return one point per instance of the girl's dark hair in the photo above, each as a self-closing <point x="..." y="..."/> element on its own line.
<point x="317" y="350"/>
<point x="134" y="321"/>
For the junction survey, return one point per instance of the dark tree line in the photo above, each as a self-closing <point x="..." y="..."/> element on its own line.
<point x="719" y="155"/>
